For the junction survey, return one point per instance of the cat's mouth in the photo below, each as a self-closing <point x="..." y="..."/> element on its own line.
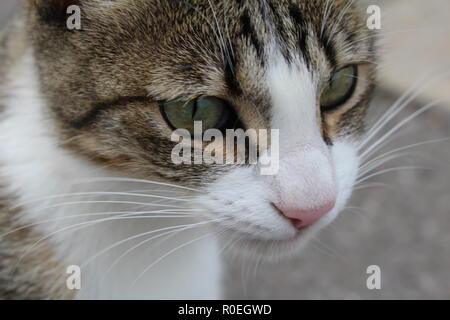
<point x="248" y="245"/>
<point x="282" y="237"/>
<point x="262" y="236"/>
<point x="250" y="237"/>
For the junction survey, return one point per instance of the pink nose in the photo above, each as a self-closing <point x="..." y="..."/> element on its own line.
<point x="302" y="218"/>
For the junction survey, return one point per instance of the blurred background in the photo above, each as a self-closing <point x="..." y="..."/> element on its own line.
<point x="398" y="219"/>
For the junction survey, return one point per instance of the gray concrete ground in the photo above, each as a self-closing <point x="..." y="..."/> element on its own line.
<point x="404" y="228"/>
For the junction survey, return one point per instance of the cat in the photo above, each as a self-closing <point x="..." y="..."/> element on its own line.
<point x="86" y="118"/>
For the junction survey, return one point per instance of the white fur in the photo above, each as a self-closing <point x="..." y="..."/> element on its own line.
<point x="306" y="177"/>
<point x="33" y="166"/>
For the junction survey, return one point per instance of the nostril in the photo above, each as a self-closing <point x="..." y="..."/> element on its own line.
<point x="298" y="224"/>
<point x="302" y="218"/>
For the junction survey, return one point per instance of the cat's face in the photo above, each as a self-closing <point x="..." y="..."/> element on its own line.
<point x="303" y="68"/>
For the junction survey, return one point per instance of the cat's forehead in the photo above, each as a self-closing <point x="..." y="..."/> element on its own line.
<point x="229" y="45"/>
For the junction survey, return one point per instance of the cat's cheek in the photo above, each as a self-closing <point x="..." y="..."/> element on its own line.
<point x="243" y="198"/>
<point x="346" y="162"/>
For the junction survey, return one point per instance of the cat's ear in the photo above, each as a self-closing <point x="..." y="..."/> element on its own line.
<point x="53" y="11"/>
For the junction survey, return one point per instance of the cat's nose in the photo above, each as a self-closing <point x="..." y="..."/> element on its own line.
<point x="305" y="186"/>
<point x="302" y="218"/>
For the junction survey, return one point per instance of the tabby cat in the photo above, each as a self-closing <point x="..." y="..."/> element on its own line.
<point x="91" y="203"/>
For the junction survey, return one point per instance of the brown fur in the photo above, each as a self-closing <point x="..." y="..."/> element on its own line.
<point x="33" y="274"/>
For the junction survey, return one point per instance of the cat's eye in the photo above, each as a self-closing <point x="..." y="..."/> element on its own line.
<point x="339" y="88"/>
<point x="214" y="113"/>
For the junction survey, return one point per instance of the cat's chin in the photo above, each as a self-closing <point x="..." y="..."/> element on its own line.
<point x="248" y="246"/>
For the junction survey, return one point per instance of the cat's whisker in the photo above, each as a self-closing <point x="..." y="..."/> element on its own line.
<point x="245" y="270"/>
<point x="105" y="250"/>
<point x="132" y="180"/>
<point x="364" y="186"/>
<point x="103" y="193"/>
<point x="394" y="109"/>
<point x="126" y="216"/>
<point x="157" y="190"/>
<point x="388" y="156"/>
<point x="380" y="147"/>
<point x="77" y="227"/>
<point x="358" y="209"/>
<point x="257" y="263"/>
<point x="82" y="225"/>
<point x="401" y="124"/>
<point x="166" y="236"/>
<point x="401" y="103"/>
<point x="319" y="249"/>
<point x="233" y="238"/>
<point x="414" y="145"/>
<point x="360" y="212"/>
<point x="147" y="191"/>
<point x="372" y="165"/>
<point x="411" y="146"/>
<point x="332" y="253"/>
<point x="363" y="179"/>
<point x="168" y="214"/>
<point x="91" y="202"/>
<point x="169" y="253"/>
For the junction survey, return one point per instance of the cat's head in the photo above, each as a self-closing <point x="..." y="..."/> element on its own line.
<point x="138" y="69"/>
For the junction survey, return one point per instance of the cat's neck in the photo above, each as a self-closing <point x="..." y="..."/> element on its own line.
<point x="34" y="166"/>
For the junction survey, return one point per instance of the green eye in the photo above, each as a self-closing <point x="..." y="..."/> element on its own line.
<point x="212" y="112"/>
<point x="339" y="89"/>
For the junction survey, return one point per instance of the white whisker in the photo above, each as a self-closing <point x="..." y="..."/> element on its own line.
<point x="372" y="165"/>
<point x="79" y="226"/>
<point x="387" y="154"/>
<point x="142" y="204"/>
<point x="401" y="103"/>
<point x="169" y="253"/>
<point x="131" y="180"/>
<point x="170" y="214"/>
<point x="391" y="170"/>
<point x="400" y="125"/>
<point x="372" y="185"/>
<point x="172" y="232"/>
<point x="98" y="254"/>
<point x="88" y="194"/>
